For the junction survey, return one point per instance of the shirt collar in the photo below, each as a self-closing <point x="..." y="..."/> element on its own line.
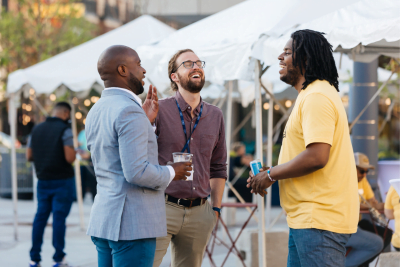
<point x="137" y="98"/>
<point x="184" y="106"/>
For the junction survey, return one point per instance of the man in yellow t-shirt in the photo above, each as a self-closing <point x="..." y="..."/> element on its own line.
<point x="392" y="211"/>
<point x="316" y="165"/>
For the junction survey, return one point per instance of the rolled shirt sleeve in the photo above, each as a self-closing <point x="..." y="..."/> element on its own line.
<point x="219" y="155"/>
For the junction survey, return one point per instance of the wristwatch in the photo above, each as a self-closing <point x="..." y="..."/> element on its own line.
<point x="217" y="210"/>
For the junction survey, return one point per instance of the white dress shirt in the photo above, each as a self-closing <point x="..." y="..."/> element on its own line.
<point x="171" y="170"/>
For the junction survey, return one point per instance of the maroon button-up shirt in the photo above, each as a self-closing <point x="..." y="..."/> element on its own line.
<point x="207" y="144"/>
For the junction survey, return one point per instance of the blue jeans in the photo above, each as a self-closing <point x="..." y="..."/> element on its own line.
<point x="313" y="247"/>
<point x="364" y="246"/>
<point x="54" y="196"/>
<point x="123" y="253"/>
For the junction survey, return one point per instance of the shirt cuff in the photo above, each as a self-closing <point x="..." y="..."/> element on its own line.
<point x="171" y="173"/>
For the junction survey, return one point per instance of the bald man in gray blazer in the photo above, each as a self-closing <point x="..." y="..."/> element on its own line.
<point x="128" y="213"/>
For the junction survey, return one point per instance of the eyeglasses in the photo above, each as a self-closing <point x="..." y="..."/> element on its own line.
<point x="189" y="64"/>
<point x="363" y="171"/>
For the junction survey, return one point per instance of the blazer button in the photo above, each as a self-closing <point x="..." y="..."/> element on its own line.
<point x="156" y="187"/>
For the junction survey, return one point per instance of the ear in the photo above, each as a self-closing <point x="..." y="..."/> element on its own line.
<point x="174" y="77"/>
<point x="122" y="70"/>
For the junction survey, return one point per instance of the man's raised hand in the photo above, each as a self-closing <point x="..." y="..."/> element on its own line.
<point x="150" y="105"/>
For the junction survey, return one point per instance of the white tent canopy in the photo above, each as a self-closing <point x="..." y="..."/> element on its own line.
<point x="369" y="22"/>
<point x="224" y="40"/>
<point x="76" y="68"/>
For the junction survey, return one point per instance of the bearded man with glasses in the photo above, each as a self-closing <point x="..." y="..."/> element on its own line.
<point x="185" y="123"/>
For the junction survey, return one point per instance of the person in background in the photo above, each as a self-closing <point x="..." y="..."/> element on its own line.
<point x="392" y="212"/>
<point x="238" y="160"/>
<point x="364" y="189"/>
<point x="51" y="150"/>
<point x="364" y="246"/>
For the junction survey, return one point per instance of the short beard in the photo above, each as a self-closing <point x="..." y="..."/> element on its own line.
<point x="190" y="86"/>
<point x="292" y="77"/>
<point x="135" y="84"/>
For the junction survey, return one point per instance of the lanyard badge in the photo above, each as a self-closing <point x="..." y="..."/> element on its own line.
<point x="186" y="147"/>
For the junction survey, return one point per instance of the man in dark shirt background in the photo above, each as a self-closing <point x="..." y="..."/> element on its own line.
<point x="51" y="150"/>
<point x="190" y="218"/>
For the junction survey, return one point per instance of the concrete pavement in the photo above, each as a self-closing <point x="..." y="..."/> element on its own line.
<point x="79" y="248"/>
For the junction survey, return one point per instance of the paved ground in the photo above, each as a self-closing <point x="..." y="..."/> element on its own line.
<point x="81" y="251"/>
<point x="79" y="248"/>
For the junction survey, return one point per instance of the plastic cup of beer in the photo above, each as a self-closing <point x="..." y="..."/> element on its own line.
<point x="184" y="157"/>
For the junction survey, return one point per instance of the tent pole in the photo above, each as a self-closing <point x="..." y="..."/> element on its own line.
<point x="262" y="259"/>
<point x="370" y="102"/>
<point x="12" y="118"/>
<point x="44" y="112"/>
<point x="34" y="176"/>
<point x="35" y="182"/>
<point x="228" y="131"/>
<point x="241" y="199"/>
<point x="269" y="154"/>
<point x="221" y="102"/>
<point x="271" y="95"/>
<point x="218" y="99"/>
<point x="243" y="122"/>
<point x="387" y="118"/>
<point x="228" y="134"/>
<point x="78" y="180"/>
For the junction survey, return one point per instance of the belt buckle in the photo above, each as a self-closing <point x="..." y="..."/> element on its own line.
<point x="179" y="200"/>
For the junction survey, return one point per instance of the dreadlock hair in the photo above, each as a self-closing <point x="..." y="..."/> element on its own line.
<point x="313" y="53"/>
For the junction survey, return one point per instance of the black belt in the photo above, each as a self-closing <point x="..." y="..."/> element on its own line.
<point x="186" y="202"/>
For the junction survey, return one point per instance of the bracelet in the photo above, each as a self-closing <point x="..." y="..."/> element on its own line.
<point x="269" y="176"/>
<point x="217" y="210"/>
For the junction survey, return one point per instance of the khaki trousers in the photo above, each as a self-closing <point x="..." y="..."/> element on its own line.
<point x="188" y="231"/>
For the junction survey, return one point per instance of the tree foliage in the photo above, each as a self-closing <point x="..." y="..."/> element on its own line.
<point x="40" y="29"/>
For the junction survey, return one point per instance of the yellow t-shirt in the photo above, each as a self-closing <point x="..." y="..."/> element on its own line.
<point x="364" y="188"/>
<point x="326" y="199"/>
<point x="393" y="203"/>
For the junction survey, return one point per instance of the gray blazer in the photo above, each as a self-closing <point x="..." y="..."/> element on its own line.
<point x="130" y="202"/>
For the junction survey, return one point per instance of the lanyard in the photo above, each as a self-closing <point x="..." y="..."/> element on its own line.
<point x="186" y="147"/>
